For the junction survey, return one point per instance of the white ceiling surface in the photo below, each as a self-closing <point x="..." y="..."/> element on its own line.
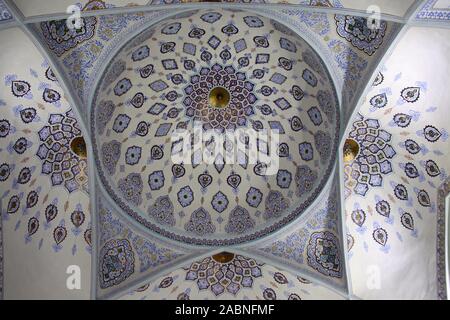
<point x="397" y="7"/>
<point x="408" y="269"/>
<point x="442" y="4"/>
<point x="31" y="272"/>
<point x="41" y="7"/>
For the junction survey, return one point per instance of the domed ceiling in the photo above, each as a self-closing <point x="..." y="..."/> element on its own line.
<point x="228" y="78"/>
<point x="227" y="151"/>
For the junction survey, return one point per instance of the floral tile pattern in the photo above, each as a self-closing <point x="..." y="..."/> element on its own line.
<point x="265" y="92"/>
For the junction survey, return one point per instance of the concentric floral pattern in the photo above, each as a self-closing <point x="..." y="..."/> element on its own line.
<point x="59" y="161"/>
<point x="161" y="82"/>
<point x="374" y="160"/>
<point x="228" y="277"/>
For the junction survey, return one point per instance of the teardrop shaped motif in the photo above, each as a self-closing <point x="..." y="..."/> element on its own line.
<point x="20" y="88"/>
<point x="59" y="234"/>
<point x="350" y="242"/>
<point x="13" y="204"/>
<point x="50" y="95"/>
<point x="24" y="176"/>
<point x="303" y="280"/>
<point x="431" y="133"/>
<point x="411" y="94"/>
<point x="378" y="79"/>
<point x="359" y="217"/>
<point x="423" y="198"/>
<point x="379" y="101"/>
<point x="401" y="192"/>
<point x="412" y="146"/>
<point x="380" y="236"/>
<point x="77" y="218"/>
<point x="33" y="226"/>
<point x="260" y="169"/>
<point x="50" y="75"/>
<point x="296" y="123"/>
<point x="280" y="278"/>
<point x="166" y="282"/>
<point x="283" y="150"/>
<point x="88" y="236"/>
<point x="28" y="114"/>
<point x="407" y="221"/>
<point x="432" y="168"/>
<point x="204" y="179"/>
<point x="156" y="153"/>
<point x="234" y="180"/>
<point x="411" y="170"/>
<point x="146" y="71"/>
<point x="50" y="212"/>
<point x="142" y="129"/>
<point x="383" y="208"/>
<point x="32" y="199"/>
<point x="402" y="120"/>
<point x="138" y="100"/>
<point x="178" y="170"/>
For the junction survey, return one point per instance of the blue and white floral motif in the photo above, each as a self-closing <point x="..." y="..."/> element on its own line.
<point x="324" y="254"/>
<point x="306" y="151"/>
<point x="410" y="94"/>
<point x="429" y="12"/>
<point x="290" y="248"/>
<point x="131" y="188"/>
<point x="326" y="104"/>
<point x="373" y="160"/>
<point x="239" y="221"/>
<point x="185" y="196"/>
<point x="162" y="211"/>
<point x="231" y="276"/>
<point x="5" y="15"/>
<point x="305" y="179"/>
<point x="156" y="180"/>
<point x="379" y="101"/>
<point x="172" y="28"/>
<point x="315" y="116"/>
<point x="104" y="114"/>
<point x="284" y="178"/>
<point x="219" y="202"/>
<point x="140" y="53"/>
<point x="253" y="22"/>
<point x="116" y="262"/>
<point x="121" y="123"/>
<point x="110" y="155"/>
<point x="200" y="223"/>
<point x="322" y="142"/>
<point x="287" y="45"/>
<point x="60" y="38"/>
<point x="276" y="204"/>
<point x="133" y="155"/>
<point x="309" y="77"/>
<point x="122" y="87"/>
<point x="357" y="31"/>
<point x="59" y="161"/>
<point x="238" y="109"/>
<point x="211" y="17"/>
<point x="254" y="197"/>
